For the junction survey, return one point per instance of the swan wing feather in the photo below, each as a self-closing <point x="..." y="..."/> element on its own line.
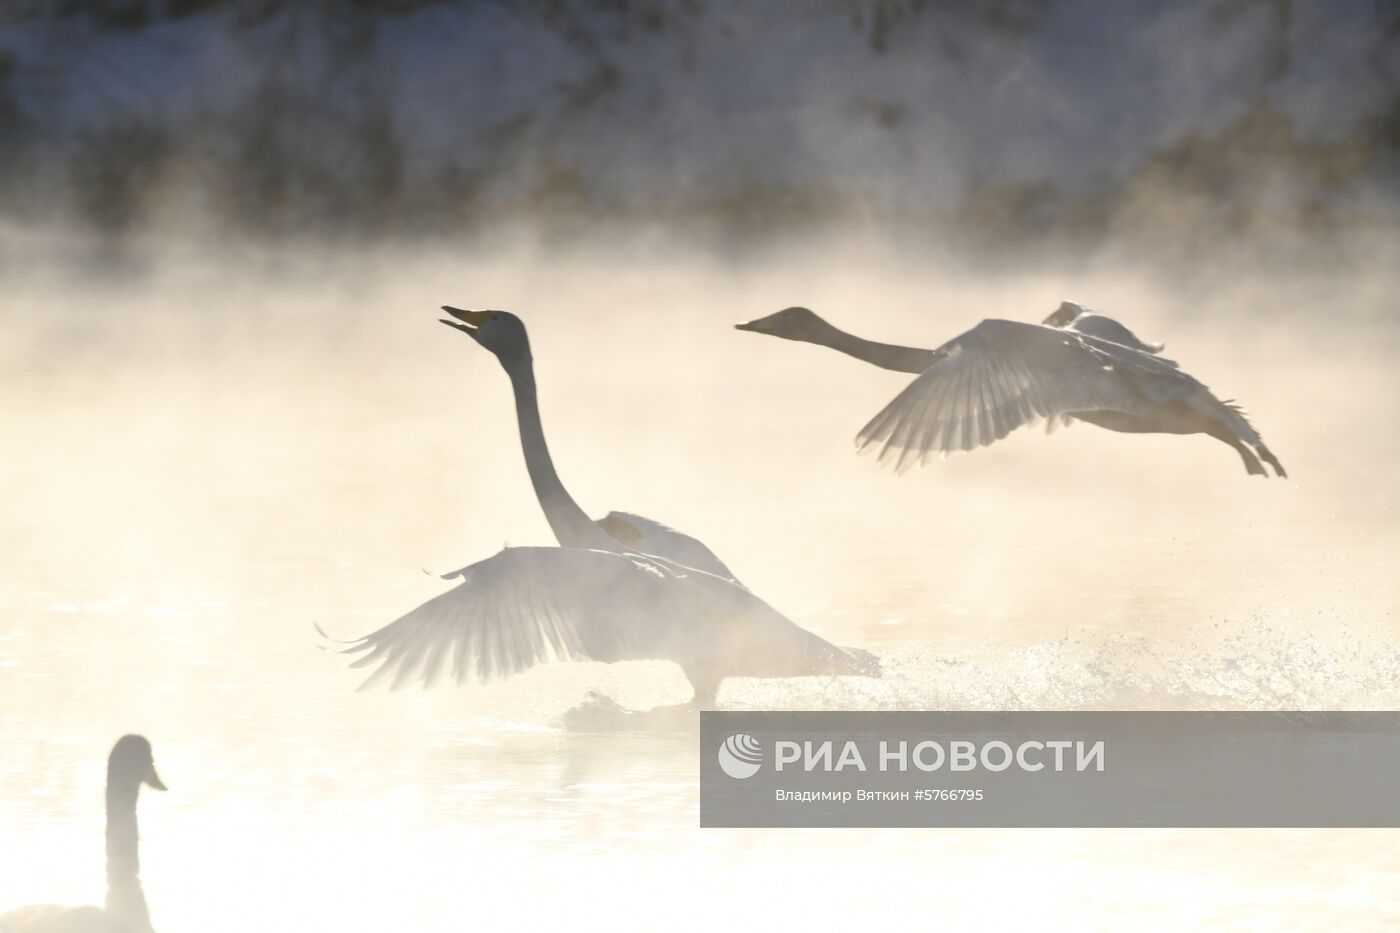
<point x="530" y="605"/>
<point x="1001" y="375"/>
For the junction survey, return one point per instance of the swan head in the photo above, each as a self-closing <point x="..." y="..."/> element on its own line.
<point x="794" y="323"/>
<point x="132" y="764"/>
<point x="498" y="331"/>
<point x="1064" y="314"/>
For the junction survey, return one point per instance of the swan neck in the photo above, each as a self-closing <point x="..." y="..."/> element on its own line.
<point x="571" y="526"/>
<point x="884" y="355"/>
<point x="125" y="897"/>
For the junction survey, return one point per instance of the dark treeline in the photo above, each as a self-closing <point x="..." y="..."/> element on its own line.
<point x="305" y="119"/>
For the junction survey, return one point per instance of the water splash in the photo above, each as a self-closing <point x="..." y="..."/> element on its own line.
<point x="1249" y="664"/>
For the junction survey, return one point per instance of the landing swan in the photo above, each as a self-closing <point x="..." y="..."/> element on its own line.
<point x="1000" y="375"/>
<point x="623" y="588"/>
<point x="128" y="767"/>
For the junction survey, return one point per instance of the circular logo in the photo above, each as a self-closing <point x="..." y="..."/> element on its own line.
<point x="740" y="756"/>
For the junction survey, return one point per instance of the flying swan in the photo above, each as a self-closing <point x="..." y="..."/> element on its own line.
<point x="979" y="387"/>
<point x="128" y="767"/>
<point x="621" y="588"/>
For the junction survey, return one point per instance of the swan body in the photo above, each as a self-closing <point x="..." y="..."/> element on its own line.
<point x="647" y="536"/>
<point x="980" y="386"/>
<point x="128" y="767"/>
<point x="1070" y="316"/>
<point x="619" y="588"/>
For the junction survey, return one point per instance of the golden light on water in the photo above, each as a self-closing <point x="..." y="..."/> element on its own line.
<point x="204" y="464"/>
<point x="233" y="435"/>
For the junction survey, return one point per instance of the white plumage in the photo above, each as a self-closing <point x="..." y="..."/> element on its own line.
<point x="530" y="605"/>
<point x="621" y="588"/>
<point x="129" y="766"/>
<point x="1000" y="375"/>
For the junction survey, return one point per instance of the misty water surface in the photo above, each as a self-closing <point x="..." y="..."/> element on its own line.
<point x="205" y="458"/>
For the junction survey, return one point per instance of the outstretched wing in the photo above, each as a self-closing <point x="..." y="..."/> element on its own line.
<point x="1001" y="375"/>
<point x="525" y="606"/>
<point x="646" y="536"/>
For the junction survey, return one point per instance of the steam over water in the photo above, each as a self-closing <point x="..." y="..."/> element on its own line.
<point x="203" y="460"/>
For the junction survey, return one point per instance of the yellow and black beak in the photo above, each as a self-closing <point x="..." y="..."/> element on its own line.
<point x="471" y="320"/>
<point x="152" y="779"/>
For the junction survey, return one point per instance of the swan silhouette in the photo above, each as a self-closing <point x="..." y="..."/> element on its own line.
<point x="980" y="386"/>
<point x="621" y="588"/>
<point x="128" y="767"/>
